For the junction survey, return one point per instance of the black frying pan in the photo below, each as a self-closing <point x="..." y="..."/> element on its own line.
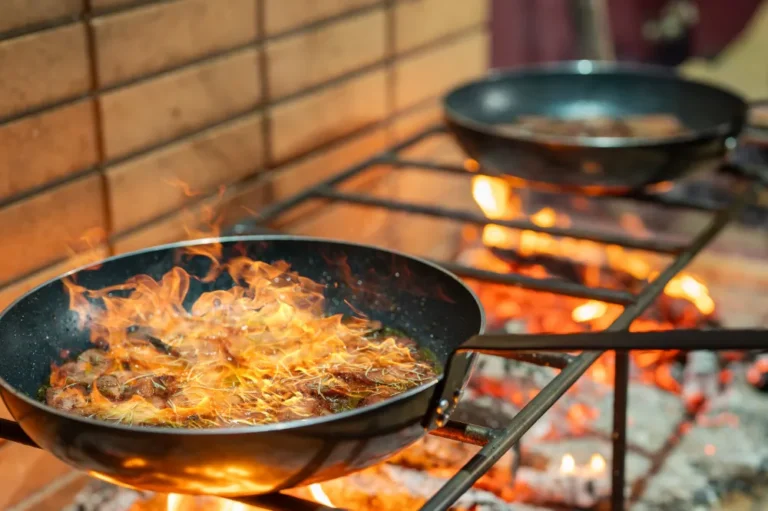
<point x="433" y="306"/>
<point x="583" y="89"/>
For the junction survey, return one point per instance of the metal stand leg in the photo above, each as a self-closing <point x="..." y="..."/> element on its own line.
<point x="621" y="390"/>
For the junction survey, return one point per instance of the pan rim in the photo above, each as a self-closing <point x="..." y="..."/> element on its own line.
<point x="596" y="67"/>
<point x="265" y="428"/>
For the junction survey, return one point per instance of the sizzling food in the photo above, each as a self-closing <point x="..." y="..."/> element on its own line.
<point x="639" y="126"/>
<point x="260" y="352"/>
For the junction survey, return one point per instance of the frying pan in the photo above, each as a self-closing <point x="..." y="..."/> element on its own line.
<point x="577" y="90"/>
<point x="433" y="306"/>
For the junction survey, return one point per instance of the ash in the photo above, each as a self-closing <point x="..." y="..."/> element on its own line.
<point x="678" y="457"/>
<point x="101" y="496"/>
<point x="653" y="417"/>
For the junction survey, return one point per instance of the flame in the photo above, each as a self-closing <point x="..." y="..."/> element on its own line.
<point x="260" y="352"/>
<point x="538" y="255"/>
<point x="589" y="311"/>
<point x="567" y="465"/>
<point x="176" y="502"/>
<point x="546" y="217"/>
<point x="689" y="288"/>
<point x="497" y="200"/>
<point x="491" y="194"/>
<point x="597" y="464"/>
<point x="319" y="495"/>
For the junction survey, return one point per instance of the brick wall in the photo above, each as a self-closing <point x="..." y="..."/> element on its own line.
<point x="107" y="106"/>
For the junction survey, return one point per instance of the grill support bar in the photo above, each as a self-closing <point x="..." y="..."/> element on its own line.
<point x="496" y="442"/>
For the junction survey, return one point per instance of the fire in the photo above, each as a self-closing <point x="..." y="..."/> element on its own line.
<point x="597" y="464"/>
<point x="689" y="288"/>
<point x="541" y="255"/>
<point x="176" y="502"/>
<point x="589" y="311"/>
<point x="262" y="351"/>
<point x="567" y="465"/>
<point x="497" y="200"/>
<point x="319" y="495"/>
<point x="492" y="195"/>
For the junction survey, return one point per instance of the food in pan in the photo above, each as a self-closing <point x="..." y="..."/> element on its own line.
<point x="260" y="352"/>
<point x="638" y="126"/>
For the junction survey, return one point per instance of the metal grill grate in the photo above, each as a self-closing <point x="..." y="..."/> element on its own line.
<point x="496" y="442"/>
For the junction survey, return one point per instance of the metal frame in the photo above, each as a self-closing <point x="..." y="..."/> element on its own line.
<point x="496" y="442"/>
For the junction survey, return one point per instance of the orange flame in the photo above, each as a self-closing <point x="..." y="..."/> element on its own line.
<point x="567" y="464"/>
<point x="589" y="311"/>
<point x="262" y="351"/>
<point x="492" y="195"/>
<point x="497" y="200"/>
<point x="597" y="464"/>
<point x="176" y="502"/>
<point x="319" y="495"/>
<point x="689" y="288"/>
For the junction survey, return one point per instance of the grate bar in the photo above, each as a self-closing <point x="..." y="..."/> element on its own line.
<point x="544" y="358"/>
<point x="550" y="285"/>
<point x="651" y="245"/>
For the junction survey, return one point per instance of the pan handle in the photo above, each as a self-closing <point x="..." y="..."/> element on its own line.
<point x="10" y="430"/>
<point x="755" y="137"/>
<point x="505" y="345"/>
<point x="750" y="171"/>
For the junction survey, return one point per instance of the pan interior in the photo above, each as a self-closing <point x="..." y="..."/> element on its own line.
<point x="431" y="306"/>
<point x="570" y="94"/>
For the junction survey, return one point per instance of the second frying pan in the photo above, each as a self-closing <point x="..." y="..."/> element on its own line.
<point x="476" y="111"/>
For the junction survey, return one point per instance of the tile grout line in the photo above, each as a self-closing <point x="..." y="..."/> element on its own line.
<point x="247" y="181"/>
<point x="266" y="90"/>
<point x="99" y="127"/>
<point x="435" y="43"/>
<point x="90" y="14"/>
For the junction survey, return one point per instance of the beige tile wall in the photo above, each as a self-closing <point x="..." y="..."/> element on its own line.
<point x="122" y="121"/>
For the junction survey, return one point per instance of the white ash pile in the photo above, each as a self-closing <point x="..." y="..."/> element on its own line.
<point x="685" y="451"/>
<point x="101" y="496"/>
<point x="653" y="417"/>
<point x="572" y="471"/>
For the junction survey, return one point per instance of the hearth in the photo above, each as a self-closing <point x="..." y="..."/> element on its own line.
<point x="544" y="262"/>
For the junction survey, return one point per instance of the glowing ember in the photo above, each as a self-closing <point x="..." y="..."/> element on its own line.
<point x="496" y="199"/>
<point x="492" y="195"/>
<point x="589" y="311"/>
<point x="319" y="495"/>
<point x="687" y="287"/>
<point x="260" y="352"/>
<point x="686" y="301"/>
<point x="568" y="465"/>
<point x="176" y="502"/>
<point x="597" y="464"/>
